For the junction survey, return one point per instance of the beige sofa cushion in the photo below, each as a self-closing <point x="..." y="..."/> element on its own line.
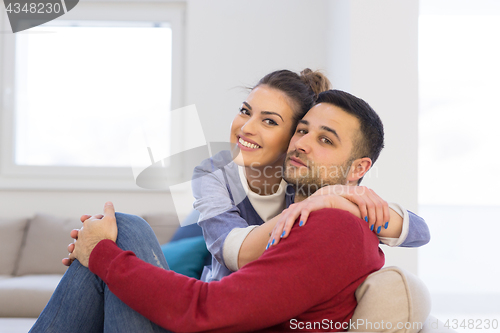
<point x="11" y="239"/>
<point x="47" y="238"/>
<point x="16" y="325"/>
<point x="391" y="300"/>
<point x="163" y="225"/>
<point x="46" y="243"/>
<point x="26" y="296"/>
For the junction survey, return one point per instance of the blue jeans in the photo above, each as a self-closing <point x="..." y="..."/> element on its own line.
<point x="83" y="303"/>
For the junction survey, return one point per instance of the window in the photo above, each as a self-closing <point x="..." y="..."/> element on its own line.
<point x="76" y="88"/>
<point x="459" y="160"/>
<point x="94" y="77"/>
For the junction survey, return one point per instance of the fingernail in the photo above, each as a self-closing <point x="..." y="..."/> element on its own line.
<point x="366" y="218"/>
<point x="301" y="223"/>
<point x="267" y="246"/>
<point x="272" y="243"/>
<point x="283" y="234"/>
<point x="371" y="228"/>
<point x="378" y="229"/>
<point x="386" y="225"/>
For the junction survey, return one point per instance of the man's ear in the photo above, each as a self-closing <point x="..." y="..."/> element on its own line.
<point x="358" y="169"/>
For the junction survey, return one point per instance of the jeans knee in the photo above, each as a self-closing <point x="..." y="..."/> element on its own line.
<point x="136" y="235"/>
<point x="132" y="223"/>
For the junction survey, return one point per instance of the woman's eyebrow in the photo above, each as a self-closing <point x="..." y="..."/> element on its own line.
<point x="264" y="112"/>
<point x="275" y="113"/>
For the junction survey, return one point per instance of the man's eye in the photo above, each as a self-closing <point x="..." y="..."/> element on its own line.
<point x="327" y="141"/>
<point x="270" y="122"/>
<point x="244" y="111"/>
<point x="301" y="131"/>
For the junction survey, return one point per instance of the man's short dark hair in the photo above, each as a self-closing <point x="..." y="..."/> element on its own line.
<point x="370" y="140"/>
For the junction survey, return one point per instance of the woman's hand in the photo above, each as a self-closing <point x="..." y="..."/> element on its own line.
<point x="95" y="229"/>
<point x="302" y="209"/>
<point x="358" y="200"/>
<point x="373" y="208"/>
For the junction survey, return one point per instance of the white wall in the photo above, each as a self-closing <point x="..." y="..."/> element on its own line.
<point x="373" y="55"/>
<point x="228" y="44"/>
<point x="232" y="44"/>
<point x="367" y="48"/>
<point x="76" y="203"/>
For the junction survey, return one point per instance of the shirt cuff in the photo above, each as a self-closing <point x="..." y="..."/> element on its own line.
<point x="406" y="225"/>
<point x="232" y="246"/>
<point x="101" y="257"/>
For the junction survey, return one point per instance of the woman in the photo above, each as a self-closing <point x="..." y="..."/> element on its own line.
<point x="235" y="197"/>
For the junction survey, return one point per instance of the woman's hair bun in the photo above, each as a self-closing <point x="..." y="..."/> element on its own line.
<point x="316" y="80"/>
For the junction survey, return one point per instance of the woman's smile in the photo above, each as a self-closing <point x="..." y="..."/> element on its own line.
<point x="247" y="144"/>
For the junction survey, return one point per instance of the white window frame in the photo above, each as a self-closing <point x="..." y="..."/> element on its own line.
<point x="14" y="176"/>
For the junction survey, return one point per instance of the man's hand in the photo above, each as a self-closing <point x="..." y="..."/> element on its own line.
<point x="95" y="229"/>
<point x="74" y="235"/>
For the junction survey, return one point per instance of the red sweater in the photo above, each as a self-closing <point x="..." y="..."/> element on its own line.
<point x="311" y="276"/>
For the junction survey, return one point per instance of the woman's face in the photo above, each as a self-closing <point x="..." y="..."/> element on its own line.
<point x="262" y="128"/>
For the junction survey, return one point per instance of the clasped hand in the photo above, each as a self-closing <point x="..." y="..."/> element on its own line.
<point x="359" y="200"/>
<point x="95" y="229"/>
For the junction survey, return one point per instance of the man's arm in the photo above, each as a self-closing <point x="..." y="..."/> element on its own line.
<point x="284" y="283"/>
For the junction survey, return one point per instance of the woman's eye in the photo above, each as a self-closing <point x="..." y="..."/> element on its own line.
<point x="244" y="111"/>
<point x="270" y="122"/>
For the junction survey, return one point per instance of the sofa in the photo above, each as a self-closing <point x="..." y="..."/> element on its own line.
<point x="30" y="269"/>
<point x="32" y="249"/>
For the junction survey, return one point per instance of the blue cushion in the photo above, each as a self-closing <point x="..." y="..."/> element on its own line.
<point x="186" y="256"/>
<point x="189" y="227"/>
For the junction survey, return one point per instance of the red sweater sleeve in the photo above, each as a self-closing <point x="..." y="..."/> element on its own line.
<point x="314" y="270"/>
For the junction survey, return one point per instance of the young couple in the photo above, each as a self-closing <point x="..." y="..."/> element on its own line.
<point x="282" y="270"/>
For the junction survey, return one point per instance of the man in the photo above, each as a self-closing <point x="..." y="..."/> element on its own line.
<point x="307" y="282"/>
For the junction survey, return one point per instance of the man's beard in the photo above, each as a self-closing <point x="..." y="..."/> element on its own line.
<point x="307" y="180"/>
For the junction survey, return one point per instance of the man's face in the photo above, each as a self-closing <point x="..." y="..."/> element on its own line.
<point x="319" y="153"/>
